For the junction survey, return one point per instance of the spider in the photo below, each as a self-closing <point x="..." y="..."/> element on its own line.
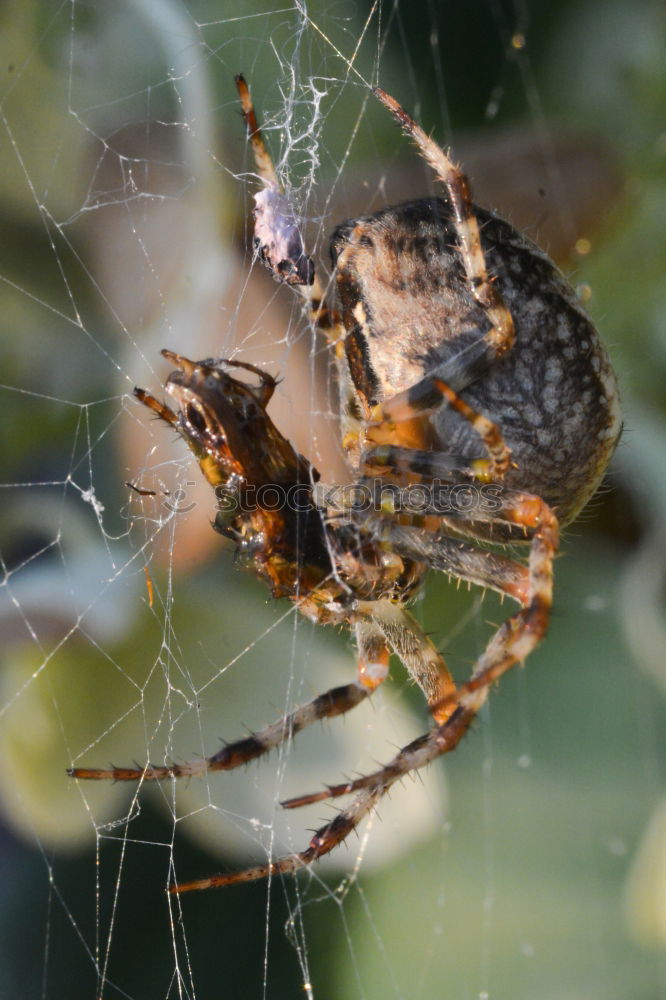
<point x="478" y="405"/>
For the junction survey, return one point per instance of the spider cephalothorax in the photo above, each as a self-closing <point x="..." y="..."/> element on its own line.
<point x="477" y="404"/>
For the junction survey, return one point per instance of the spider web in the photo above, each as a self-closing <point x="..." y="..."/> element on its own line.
<point x="127" y="631"/>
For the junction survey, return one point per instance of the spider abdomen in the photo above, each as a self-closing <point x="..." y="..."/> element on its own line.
<point x="409" y="312"/>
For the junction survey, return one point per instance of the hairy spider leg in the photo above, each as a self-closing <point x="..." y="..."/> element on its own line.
<point x="502" y="333"/>
<point x="458" y="559"/>
<point x="262" y="158"/>
<point x="321" y="316"/>
<point x="337" y="701"/>
<point x="418" y="653"/>
<point x="420" y="401"/>
<point x="408" y="641"/>
<point x="161" y="409"/>
<point x="373" y="657"/>
<point x="412" y="757"/>
<point x="373" y="654"/>
<point x="513" y="641"/>
<point x="373" y="660"/>
<point x="413" y="466"/>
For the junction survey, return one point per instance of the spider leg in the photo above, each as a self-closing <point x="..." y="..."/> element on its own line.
<point x="262" y="158"/>
<point x="412" y="757"/>
<point x="407" y="639"/>
<point x="277" y="235"/>
<point x="522" y="632"/>
<point x="389" y="442"/>
<point x="510" y="644"/>
<point x="373" y="658"/>
<point x="465" y="562"/>
<point x="420" y="401"/>
<point x="447" y="491"/>
<point x="373" y="655"/>
<point x="390" y="623"/>
<point x="418" y="653"/>
<point x="161" y="409"/>
<point x="373" y="787"/>
<point x="502" y="333"/>
<point x="337" y="701"/>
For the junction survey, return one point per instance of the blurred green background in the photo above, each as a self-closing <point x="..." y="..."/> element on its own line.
<point x="531" y="863"/>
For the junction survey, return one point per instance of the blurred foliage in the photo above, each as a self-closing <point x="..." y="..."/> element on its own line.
<point x="526" y="887"/>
